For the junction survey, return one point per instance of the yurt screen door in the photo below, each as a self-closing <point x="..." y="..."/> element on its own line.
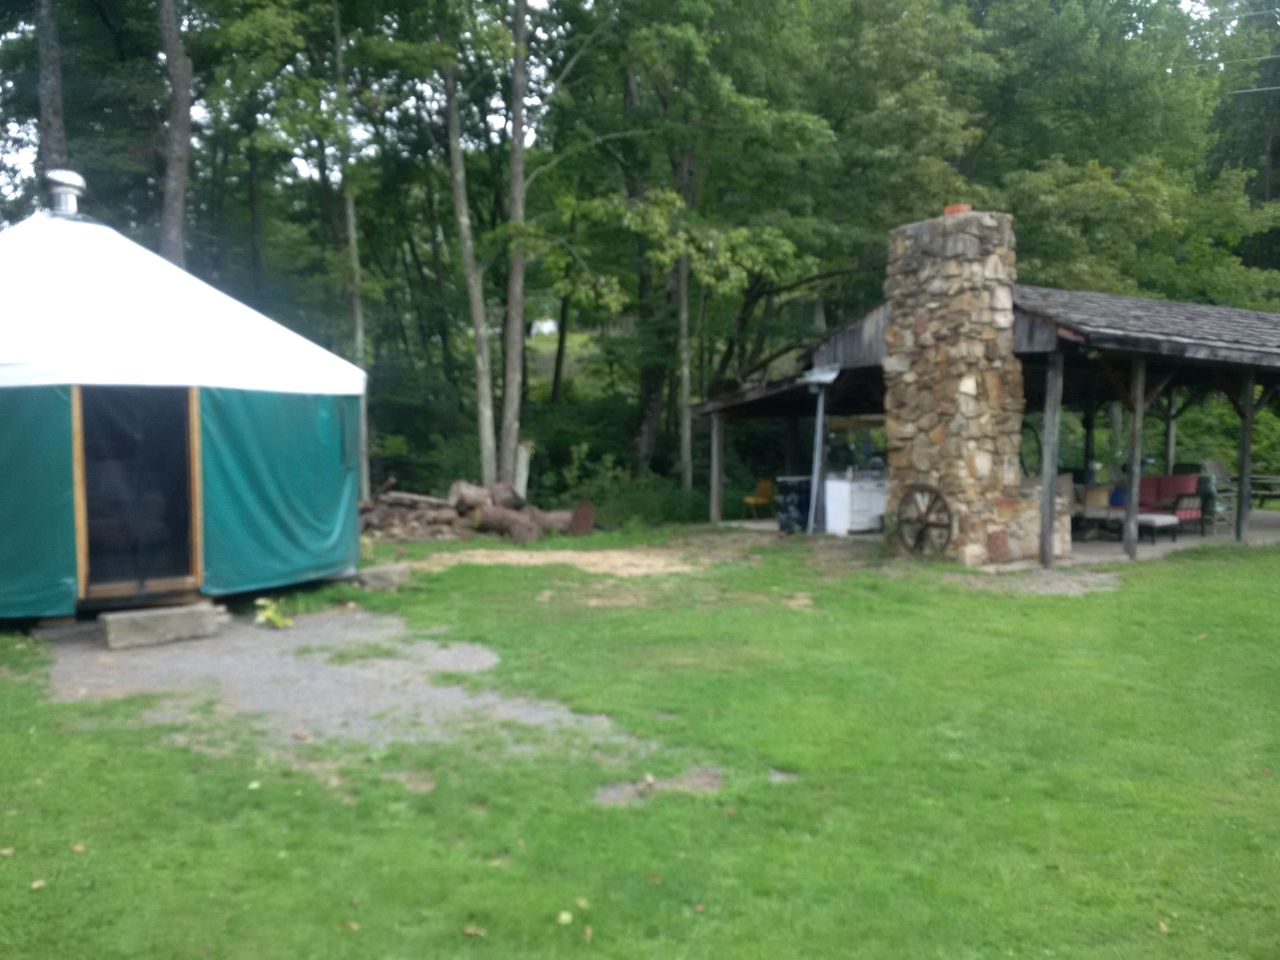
<point x="137" y="490"/>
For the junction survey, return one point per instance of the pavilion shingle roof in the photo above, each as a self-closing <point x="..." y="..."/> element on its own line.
<point x="1192" y="329"/>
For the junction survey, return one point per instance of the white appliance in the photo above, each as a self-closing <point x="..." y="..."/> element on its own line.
<point x="855" y="504"/>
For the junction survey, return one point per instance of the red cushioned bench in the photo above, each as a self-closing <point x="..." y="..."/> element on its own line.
<point x="1177" y="496"/>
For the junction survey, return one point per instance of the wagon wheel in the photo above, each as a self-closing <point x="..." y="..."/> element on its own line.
<point x="924" y="519"/>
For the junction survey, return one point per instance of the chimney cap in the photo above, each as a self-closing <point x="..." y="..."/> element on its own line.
<point x="65" y="188"/>
<point x="65" y="178"/>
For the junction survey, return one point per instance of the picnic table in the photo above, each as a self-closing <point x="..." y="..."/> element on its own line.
<point x="1262" y="487"/>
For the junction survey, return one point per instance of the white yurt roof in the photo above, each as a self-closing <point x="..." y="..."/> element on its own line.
<point x="82" y="304"/>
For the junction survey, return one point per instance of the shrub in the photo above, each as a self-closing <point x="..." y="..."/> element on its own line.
<point x="621" y="498"/>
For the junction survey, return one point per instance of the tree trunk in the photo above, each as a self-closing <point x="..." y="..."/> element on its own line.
<point x="653" y="374"/>
<point x="513" y="380"/>
<point x="562" y="336"/>
<point x="53" y="132"/>
<point x="471" y="274"/>
<point x="357" y="323"/>
<point x="443" y="315"/>
<point x="177" y="149"/>
<point x="686" y="408"/>
<point x="354" y="278"/>
<point x="653" y="378"/>
<point x="255" y="221"/>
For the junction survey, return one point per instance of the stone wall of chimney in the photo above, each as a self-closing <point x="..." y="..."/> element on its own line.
<point x="953" y="386"/>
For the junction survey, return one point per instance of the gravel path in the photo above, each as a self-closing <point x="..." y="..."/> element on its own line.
<point x="1063" y="583"/>
<point x="289" y="681"/>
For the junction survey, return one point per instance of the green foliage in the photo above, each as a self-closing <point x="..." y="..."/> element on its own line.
<point x="270" y="614"/>
<point x="1146" y="230"/>
<point x="770" y="142"/>
<point x="621" y="498"/>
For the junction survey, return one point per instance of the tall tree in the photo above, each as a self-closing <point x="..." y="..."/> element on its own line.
<point x="513" y="338"/>
<point x="177" y="148"/>
<point x="355" y="284"/>
<point x="53" y="131"/>
<point x="472" y="278"/>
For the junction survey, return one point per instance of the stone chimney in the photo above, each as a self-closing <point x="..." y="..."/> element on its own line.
<point x="953" y="387"/>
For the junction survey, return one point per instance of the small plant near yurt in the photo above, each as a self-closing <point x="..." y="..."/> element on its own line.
<point x="270" y="614"/>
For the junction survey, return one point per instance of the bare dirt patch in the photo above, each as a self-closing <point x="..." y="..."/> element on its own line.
<point x="1061" y="583"/>
<point x="338" y="676"/>
<point x="799" y="601"/>
<point x="413" y="782"/>
<point x="635" y="562"/>
<point x="695" y="780"/>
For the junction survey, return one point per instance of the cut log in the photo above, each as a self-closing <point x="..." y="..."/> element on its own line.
<point x="465" y="497"/>
<point x="415" y="501"/>
<point x="549" y="521"/>
<point x="583" y="520"/>
<point x="440" y="517"/>
<point x="504" y="495"/>
<point x="517" y="526"/>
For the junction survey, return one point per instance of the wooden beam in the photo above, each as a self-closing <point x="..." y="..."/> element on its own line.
<point x="80" y="501"/>
<point x="195" y="485"/>
<point x="1137" y="385"/>
<point x="1244" y="492"/>
<point x="717" y="467"/>
<point x="1127" y="343"/>
<point x="1170" y="430"/>
<point x="817" y="489"/>
<point x="1225" y="386"/>
<point x="1154" y="390"/>
<point x="1115" y="380"/>
<point x="1122" y="389"/>
<point x="1049" y="457"/>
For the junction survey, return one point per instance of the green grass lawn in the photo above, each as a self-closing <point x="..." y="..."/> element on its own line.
<point x="977" y="775"/>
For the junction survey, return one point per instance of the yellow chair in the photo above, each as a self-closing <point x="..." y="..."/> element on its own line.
<point x="763" y="497"/>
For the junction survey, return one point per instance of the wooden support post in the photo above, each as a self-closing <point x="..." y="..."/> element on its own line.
<point x="1138" y="386"/>
<point x="817" y="489"/>
<point x="1171" y="431"/>
<point x="1244" y="488"/>
<point x="195" y="481"/>
<point x="365" y="488"/>
<point x="1049" y="457"/>
<point x="1090" y="432"/>
<point x="79" y="499"/>
<point x="717" y="467"/>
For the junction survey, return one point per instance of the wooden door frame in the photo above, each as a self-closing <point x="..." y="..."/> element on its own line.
<point x="195" y="488"/>
<point x="78" y="493"/>
<point x="195" y="496"/>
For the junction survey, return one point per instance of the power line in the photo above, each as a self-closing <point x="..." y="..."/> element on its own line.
<point x="1274" y="56"/>
<point x="1256" y="90"/>
<point x="1238" y="16"/>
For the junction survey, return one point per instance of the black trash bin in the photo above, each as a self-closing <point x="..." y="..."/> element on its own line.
<point x="793" y="494"/>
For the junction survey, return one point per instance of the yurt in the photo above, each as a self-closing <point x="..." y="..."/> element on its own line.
<point x="158" y="439"/>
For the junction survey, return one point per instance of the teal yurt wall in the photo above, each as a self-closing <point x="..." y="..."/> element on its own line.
<point x="37" y="506"/>
<point x="281" y="487"/>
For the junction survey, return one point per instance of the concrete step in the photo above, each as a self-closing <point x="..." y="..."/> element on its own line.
<point x="156" y="625"/>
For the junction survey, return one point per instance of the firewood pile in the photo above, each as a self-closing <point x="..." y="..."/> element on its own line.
<point x="466" y="510"/>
